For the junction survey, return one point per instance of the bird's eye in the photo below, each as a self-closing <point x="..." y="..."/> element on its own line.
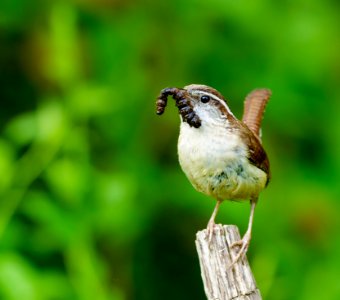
<point x="205" y="98"/>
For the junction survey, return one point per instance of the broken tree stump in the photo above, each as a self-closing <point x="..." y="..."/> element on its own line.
<point x="222" y="282"/>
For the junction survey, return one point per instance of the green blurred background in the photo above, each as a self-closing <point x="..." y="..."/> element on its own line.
<point x="93" y="202"/>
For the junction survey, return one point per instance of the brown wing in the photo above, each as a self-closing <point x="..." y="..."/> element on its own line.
<point x="254" y="106"/>
<point x="257" y="156"/>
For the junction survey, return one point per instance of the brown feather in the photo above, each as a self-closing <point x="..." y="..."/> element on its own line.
<point x="256" y="154"/>
<point x="254" y="107"/>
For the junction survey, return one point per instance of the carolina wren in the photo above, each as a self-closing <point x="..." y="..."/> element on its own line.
<point x="221" y="156"/>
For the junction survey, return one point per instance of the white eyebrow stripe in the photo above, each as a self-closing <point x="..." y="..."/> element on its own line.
<point x="198" y="92"/>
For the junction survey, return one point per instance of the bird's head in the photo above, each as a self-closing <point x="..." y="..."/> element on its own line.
<point x="196" y="103"/>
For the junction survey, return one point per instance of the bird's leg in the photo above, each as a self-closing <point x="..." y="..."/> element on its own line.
<point x="245" y="241"/>
<point x="211" y="222"/>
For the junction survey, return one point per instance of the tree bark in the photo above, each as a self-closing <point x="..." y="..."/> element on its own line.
<point x="222" y="282"/>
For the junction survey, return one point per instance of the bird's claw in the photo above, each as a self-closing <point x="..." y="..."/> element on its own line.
<point x="210" y="231"/>
<point x="244" y="244"/>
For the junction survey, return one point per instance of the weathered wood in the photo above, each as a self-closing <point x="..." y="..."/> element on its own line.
<point x="222" y="282"/>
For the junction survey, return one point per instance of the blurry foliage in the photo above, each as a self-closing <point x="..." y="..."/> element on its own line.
<point x="93" y="202"/>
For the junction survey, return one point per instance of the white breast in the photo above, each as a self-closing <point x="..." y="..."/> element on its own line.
<point x="215" y="161"/>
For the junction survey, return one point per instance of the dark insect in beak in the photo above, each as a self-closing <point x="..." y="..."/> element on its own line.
<point x="182" y="102"/>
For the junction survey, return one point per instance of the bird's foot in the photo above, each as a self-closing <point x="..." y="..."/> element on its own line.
<point x="211" y="223"/>
<point x="243" y="244"/>
<point x="210" y="230"/>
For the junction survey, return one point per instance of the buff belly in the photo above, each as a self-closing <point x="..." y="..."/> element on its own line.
<point x="219" y="169"/>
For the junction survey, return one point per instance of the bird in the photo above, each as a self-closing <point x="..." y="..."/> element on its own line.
<point x="222" y="156"/>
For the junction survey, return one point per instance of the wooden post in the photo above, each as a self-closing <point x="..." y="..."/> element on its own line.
<point x="222" y="282"/>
